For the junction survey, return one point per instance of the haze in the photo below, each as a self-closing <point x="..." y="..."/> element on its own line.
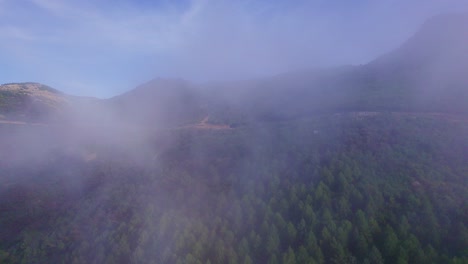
<point x="233" y="132"/>
<point x="102" y="48"/>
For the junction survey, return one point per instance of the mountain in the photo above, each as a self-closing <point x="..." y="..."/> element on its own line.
<point x="426" y="73"/>
<point x="441" y="39"/>
<point x="163" y="102"/>
<point x="352" y="164"/>
<point x="35" y="102"/>
<point x="30" y="101"/>
<point x="430" y="68"/>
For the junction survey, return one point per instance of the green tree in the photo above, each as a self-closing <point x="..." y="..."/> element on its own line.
<point x="289" y="257"/>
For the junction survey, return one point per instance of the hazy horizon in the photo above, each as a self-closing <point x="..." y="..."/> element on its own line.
<point x="237" y="131"/>
<point x="106" y="48"/>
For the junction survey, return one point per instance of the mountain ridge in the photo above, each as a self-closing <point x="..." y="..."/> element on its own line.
<point x="426" y="74"/>
<point x="346" y="165"/>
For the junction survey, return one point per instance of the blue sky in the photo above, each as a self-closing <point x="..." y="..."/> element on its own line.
<point x="103" y="48"/>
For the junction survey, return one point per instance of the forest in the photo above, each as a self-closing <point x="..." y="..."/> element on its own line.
<point x="332" y="188"/>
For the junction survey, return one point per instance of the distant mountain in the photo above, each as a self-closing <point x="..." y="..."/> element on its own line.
<point x="427" y="73"/>
<point x="303" y="167"/>
<point x="29" y="101"/>
<point x="160" y="101"/>
<point x="442" y="38"/>
<point x="35" y="102"/>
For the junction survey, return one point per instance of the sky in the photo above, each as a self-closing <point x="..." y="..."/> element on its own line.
<point x="102" y="48"/>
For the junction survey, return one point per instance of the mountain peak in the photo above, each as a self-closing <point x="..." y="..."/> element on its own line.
<point x="29" y="100"/>
<point x="441" y="39"/>
<point x="447" y="20"/>
<point x="443" y="31"/>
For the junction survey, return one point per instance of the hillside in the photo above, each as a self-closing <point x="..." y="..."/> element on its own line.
<point x="353" y="164"/>
<point x="39" y="103"/>
<point x="425" y="74"/>
<point x="29" y="101"/>
<point x="160" y="102"/>
<point x="384" y="188"/>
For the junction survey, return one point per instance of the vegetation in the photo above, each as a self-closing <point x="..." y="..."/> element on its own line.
<point x="389" y="188"/>
<point x="355" y="164"/>
<point x="28" y="101"/>
<point x="12" y="101"/>
<point x="26" y="85"/>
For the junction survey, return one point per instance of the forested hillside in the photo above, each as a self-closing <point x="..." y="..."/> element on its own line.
<point x="343" y="188"/>
<point x="352" y="164"/>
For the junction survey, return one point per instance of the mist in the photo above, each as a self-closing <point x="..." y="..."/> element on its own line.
<point x="93" y="49"/>
<point x="257" y="132"/>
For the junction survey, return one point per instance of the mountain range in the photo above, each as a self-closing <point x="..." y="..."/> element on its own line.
<point x="427" y="73"/>
<point x="351" y="164"/>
